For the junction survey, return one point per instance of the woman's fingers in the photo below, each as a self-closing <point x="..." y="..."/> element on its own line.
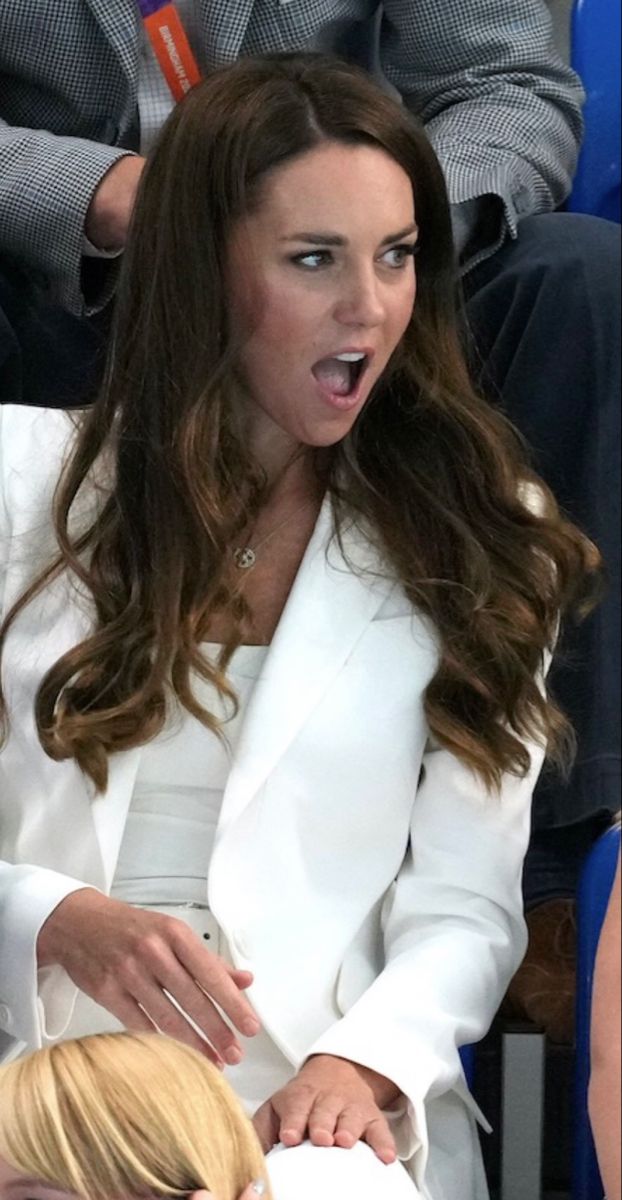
<point x="166" y="1016"/>
<point x="197" y="1004"/>
<point x="214" y="978"/>
<point x="324" y="1120"/>
<point x="241" y="979"/>
<point x="129" y="960"/>
<point x="294" y="1116"/>
<point x="266" y="1123"/>
<point x="132" y="1016"/>
<point x="145" y="976"/>
<point x="170" y="970"/>
<point x="332" y="1124"/>
<point x="129" y="1013"/>
<point x="380" y="1139"/>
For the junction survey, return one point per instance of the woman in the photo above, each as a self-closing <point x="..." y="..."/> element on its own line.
<point x="171" y="1126"/>
<point x="281" y="686"/>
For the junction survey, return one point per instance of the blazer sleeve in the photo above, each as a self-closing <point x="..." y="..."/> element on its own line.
<point x="46" y="185"/>
<point x="454" y="935"/>
<point x="5" y="521"/>
<point x="33" y="1004"/>
<point x="501" y="109"/>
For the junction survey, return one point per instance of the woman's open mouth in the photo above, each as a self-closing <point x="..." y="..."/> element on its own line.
<point x="340" y="377"/>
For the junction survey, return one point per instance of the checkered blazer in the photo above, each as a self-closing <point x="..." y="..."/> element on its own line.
<point x="500" y="107"/>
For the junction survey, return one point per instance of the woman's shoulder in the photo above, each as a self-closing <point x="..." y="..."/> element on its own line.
<point x="26" y="431"/>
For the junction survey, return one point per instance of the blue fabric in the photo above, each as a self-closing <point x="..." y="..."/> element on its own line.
<point x="596" y="58"/>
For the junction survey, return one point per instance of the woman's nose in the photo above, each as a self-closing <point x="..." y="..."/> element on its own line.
<point x="360" y="302"/>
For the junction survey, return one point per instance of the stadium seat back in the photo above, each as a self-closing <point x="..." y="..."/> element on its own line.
<point x="596" y="58"/>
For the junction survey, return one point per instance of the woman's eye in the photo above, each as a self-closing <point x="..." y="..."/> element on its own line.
<point x="313" y="259"/>
<point x="398" y="256"/>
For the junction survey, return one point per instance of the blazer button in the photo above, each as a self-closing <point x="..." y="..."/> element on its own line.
<point x="241" y="944"/>
<point x="6" y="1019"/>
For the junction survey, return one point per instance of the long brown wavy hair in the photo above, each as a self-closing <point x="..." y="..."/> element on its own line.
<point x="430" y="468"/>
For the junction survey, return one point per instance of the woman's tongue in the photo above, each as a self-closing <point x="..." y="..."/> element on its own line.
<point x="333" y="376"/>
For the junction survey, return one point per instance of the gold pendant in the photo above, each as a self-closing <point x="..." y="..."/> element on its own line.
<point x="244" y="558"/>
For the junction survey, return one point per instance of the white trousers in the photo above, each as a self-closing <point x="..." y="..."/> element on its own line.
<point x="312" y="1173"/>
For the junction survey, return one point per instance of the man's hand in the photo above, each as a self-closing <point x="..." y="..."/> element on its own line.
<point x="332" y="1102"/>
<point x="110" y="210"/>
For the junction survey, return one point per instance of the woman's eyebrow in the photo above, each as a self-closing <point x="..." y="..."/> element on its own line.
<point x="334" y="239"/>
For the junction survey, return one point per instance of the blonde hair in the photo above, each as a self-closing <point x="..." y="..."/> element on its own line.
<point x="121" y="1114"/>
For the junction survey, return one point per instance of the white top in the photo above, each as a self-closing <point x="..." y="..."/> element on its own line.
<point x="171" y="825"/>
<point x="167" y="845"/>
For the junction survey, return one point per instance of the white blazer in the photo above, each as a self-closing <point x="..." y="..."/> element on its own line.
<point x="367" y="878"/>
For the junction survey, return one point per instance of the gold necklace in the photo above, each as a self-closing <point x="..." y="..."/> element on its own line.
<point x="245" y="557"/>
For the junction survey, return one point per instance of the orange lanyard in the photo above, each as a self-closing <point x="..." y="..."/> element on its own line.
<point x="171" y="46"/>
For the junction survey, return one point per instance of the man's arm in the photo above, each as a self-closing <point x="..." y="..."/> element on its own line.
<point x="500" y="107"/>
<point x="47" y="189"/>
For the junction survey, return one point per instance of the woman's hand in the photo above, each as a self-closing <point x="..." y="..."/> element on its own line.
<point x="127" y="960"/>
<point x="332" y="1102"/>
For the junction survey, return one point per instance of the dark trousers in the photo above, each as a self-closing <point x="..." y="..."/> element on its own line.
<point x="47" y="356"/>
<point x="544" y="314"/>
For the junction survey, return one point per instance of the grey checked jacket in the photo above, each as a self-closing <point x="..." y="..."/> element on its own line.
<point x="502" y="111"/>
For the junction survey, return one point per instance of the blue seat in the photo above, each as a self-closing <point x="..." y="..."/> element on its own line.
<point x="592" y="899"/>
<point x="467" y="1055"/>
<point x="595" y="54"/>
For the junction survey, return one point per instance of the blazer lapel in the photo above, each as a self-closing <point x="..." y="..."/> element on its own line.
<point x="328" y="609"/>
<point x="119" y="22"/>
<point x="52" y="624"/>
<point x="224" y="27"/>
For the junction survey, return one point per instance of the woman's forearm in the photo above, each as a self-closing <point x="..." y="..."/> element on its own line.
<point x="604" y="1107"/>
<point x="605" y="1103"/>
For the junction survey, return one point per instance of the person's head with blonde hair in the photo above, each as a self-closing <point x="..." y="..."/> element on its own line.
<point x="118" y="1116"/>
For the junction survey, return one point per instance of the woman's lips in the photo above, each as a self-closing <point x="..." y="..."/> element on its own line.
<point x="342" y="403"/>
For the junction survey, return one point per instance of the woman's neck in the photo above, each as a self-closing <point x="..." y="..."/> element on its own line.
<point x="290" y="478"/>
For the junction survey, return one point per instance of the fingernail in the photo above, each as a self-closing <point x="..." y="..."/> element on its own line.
<point x="233" y="1056"/>
<point x="251" y="1027"/>
<point x="259" y="1187"/>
